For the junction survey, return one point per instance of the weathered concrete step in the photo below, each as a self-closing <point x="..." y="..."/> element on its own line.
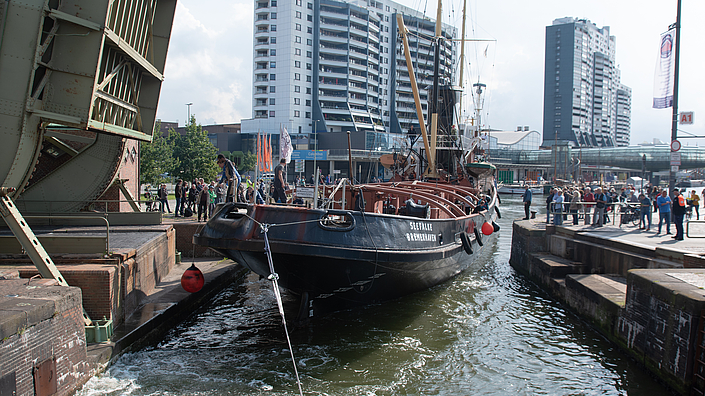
<point x="546" y="266"/>
<point x="599" y="297"/>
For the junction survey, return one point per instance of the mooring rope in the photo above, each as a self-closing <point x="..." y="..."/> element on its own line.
<point x="274" y="277"/>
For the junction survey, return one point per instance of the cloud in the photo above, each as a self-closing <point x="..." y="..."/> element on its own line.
<point x="210" y="59"/>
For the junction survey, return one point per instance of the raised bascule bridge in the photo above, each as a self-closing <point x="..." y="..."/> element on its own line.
<point x="79" y="87"/>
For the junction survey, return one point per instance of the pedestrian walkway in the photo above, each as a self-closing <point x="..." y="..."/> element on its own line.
<point x="694" y="241"/>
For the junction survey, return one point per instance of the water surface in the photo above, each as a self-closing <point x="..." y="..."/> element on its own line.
<point x="490" y="332"/>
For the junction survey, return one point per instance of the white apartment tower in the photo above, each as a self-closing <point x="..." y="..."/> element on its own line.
<point x="337" y="66"/>
<point x="581" y="83"/>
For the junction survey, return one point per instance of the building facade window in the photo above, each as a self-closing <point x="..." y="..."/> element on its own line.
<point x="297" y="51"/>
<point x="273" y="40"/>
<point x="274" y="15"/>
<point x="297" y="39"/>
<point x="272" y="77"/>
<point x="272" y="65"/>
<point x="297" y="76"/>
<point x="272" y="52"/>
<point x="272" y="101"/>
<point x="272" y="89"/>
<point x="297" y="64"/>
<point x="297" y="113"/>
<point x="273" y="28"/>
<point x="271" y="113"/>
<point x="297" y="101"/>
<point x="297" y="88"/>
<point x="298" y="27"/>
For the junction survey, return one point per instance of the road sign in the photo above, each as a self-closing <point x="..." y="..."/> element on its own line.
<point x="675" y="145"/>
<point x="686" y="117"/>
<point x="674" y="168"/>
<point x="675" y="158"/>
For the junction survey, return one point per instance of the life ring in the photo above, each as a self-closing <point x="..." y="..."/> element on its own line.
<point x="478" y="238"/>
<point x="467" y="244"/>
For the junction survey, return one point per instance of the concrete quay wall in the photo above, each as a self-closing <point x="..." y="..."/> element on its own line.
<point x="648" y="300"/>
<point x="115" y="286"/>
<point x="42" y="346"/>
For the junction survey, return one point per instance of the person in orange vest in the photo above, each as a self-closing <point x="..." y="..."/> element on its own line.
<point x="679" y="206"/>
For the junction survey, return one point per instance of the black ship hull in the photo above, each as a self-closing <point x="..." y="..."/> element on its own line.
<point x="360" y="258"/>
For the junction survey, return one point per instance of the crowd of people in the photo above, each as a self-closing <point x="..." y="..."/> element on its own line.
<point x="595" y="205"/>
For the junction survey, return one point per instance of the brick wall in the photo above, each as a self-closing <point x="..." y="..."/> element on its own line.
<point x="99" y="283"/>
<point x="59" y="337"/>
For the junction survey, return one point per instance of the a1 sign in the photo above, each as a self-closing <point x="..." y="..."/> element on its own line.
<point x="686" y="117"/>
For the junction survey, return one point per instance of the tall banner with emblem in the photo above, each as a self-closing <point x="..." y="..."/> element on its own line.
<point x="285" y="147"/>
<point x="665" y="68"/>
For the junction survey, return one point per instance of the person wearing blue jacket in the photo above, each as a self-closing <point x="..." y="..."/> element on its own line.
<point x="230" y="175"/>
<point x="664" y="209"/>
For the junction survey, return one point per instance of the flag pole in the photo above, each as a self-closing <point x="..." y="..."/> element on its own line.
<point x="674" y="121"/>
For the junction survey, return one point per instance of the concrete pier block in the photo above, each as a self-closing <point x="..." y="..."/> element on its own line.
<point x="660" y="323"/>
<point x="600" y="298"/>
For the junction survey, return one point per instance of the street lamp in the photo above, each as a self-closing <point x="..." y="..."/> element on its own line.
<point x="315" y="170"/>
<point x="189" y="113"/>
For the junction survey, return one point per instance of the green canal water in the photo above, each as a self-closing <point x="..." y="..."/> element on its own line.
<point x="489" y="332"/>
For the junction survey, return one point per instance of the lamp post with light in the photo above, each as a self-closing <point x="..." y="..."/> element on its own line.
<point x="315" y="170"/>
<point x="189" y="113"/>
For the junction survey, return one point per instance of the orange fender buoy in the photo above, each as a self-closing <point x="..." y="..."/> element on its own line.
<point x="192" y="279"/>
<point x="487" y="228"/>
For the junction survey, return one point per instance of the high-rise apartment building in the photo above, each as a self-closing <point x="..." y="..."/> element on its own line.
<point x="582" y="89"/>
<point x="624" y="115"/>
<point x="337" y="66"/>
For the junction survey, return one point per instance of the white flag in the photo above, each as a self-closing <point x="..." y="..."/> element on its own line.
<point x="285" y="147"/>
<point x="665" y="69"/>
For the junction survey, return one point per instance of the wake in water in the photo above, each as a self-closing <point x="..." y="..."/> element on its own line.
<point x="488" y="332"/>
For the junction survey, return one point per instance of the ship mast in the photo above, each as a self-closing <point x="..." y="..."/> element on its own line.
<point x="429" y="144"/>
<point x="414" y="87"/>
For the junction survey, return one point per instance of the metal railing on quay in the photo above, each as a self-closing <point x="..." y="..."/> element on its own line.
<point x="627" y="212"/>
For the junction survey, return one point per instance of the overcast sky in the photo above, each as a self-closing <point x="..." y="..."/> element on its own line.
<point x="210" y="64"/>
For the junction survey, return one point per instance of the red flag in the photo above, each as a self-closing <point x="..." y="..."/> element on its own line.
<point x="259" y="165"/>
<point x="269" y="152"/>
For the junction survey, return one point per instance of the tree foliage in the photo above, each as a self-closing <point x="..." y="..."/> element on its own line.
<point x="195" y="153"/>
<point x="248" y="162"/>
<point x="156" y="158"/>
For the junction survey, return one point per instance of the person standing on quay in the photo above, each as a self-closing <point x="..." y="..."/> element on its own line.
<point x="600" y="202"/>
<point x="589" y="200"/>
<point x="549" y="205"/>
<point x="664" y="210"/>
<point x="645" y="212"/>
<point x="695" y="203"/>
<point x="526" y="198"/>
<point x="558" y="207"/>
<point x="679" y="206"/>
<point x="179" y="195"/>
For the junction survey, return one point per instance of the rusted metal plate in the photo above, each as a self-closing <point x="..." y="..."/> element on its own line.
<point x="45" y="378"/>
